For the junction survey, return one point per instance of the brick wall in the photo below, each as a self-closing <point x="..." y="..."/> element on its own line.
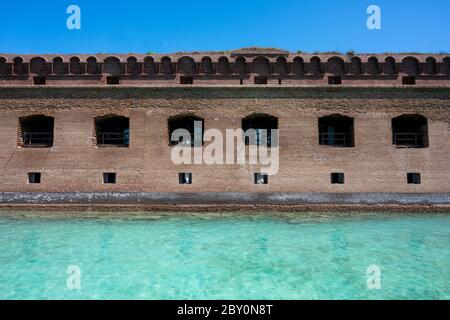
<point x="227" y="68"/>
<point x="75" y="164"/>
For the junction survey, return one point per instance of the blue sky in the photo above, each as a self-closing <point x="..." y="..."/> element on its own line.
<point x="168" y="26"/>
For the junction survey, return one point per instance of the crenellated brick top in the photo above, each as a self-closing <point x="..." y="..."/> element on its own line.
<point x="230" y="68"/>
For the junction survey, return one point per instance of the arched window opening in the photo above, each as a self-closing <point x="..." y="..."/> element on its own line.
<point x="260" y="129"/>
<point x="4" y="67"/>
<point x="178" y="125"/>
<point x="133" y="67"/>
<point x="372" y="66"/>
<point x="149" y="65"/>
<point x="186" y="65"/>
<point x="58" y="66"/>
<point x="36" y="131"/>
<point x="281" y="66"/>
<point x="39" y="66"/>
<point x="410" y="66"/>
<point x="337" y="131"/>
<point x="166" y="66"/>
<point x="19" y="66"/>
<point x="112" y="66"/>
<point x="206" y="66"/>
<point x="298" y="66"/>
<point x="92" y="65"/>
<point x="75" y="66"/>
<point x="315" y="66"/>
<point x="410" y="131"/>
<point x="389" y="66"/>
<point x="112" y="130"/>
<point x="335" y="66"/>
<point x="261" y="66"/>
<point x="223" y="67"/>
<point x="355" y="66"/>
<point x="445" y="68"/>
<point x="430" y="66"/>
<point x="240" y="66"/>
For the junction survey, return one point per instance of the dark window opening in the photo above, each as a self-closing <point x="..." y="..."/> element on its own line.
<point x="92" y="66"/>
<point x="261" y="178"/>
<point x="389" y="66"/>
<point x="223" y="66"/>
<point x="372" y="66"/>
<point x="112" y="80"/>
<point x="109" y="177"/>
<point x="430" y="66"/>
<point x="186" y="80"/>
<point x="260" y="130"/>
<point x="194" y="126"/>
<point x="34" y="177"/>
<point x="413" y="178"/>
<point x="36" y="131"/>
<point x="334" y="80"/>
<point x="315" y="67"/>
<point x="335" y="66"/>
<point x="185" y="178"/>
<point x="260" y="80"/>
<point x="75" y="66"/>
<point x="112" y="66"/>
<point x="356" y="66"/>
<point x="337" y="178"/>
<point x="240" y="65"/>
<point x="19" y="66"/>
<point x="336" y="130"/>
<point x="112" y="130"/>
<point x="410" y="131"/>
<point x="39" y="81"/>
<point x="298" y="66"/>
<point x="133" y="66"/>
<point x="186" y="66"/>
<point x="409" y="80"/>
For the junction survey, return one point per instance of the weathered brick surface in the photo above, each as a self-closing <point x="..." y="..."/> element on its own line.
<point x="374" y="165"/>
<point x="227" y="68"/>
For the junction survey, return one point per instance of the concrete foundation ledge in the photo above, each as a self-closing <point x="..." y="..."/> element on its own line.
<point x="219" y="199"/>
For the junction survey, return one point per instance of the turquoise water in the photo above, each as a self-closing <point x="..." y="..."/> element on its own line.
<point x="225" y="258"/>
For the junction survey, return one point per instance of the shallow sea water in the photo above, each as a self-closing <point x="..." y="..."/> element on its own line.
<point x="225" y="257"/>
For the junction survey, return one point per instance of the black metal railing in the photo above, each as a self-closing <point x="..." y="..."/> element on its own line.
<point x="257" y="137"/>
<point x="408" y="139"/>
<point x="188" y="142"/>
<point x="113" y="138"/>
<point x="39" y="139"/>
<point x="338" y="139"/>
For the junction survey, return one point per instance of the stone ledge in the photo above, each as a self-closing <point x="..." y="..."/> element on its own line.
<point x="220" y="199"/>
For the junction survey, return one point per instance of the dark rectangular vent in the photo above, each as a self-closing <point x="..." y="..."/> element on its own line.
<point x="409" y="80"/>
<point x="413" y="178"/>
<point x="334" y="80"/>
<point x="109" y="177"/>
<point x="34" y="177"/>
<point x="261" y="178"/>
<point x="260" y="80"/>
<point x="186" y="80"/>
<point x="39" y="81"/>
<point x="337" y="178"/>
<point x="112" y="80"/>
<point x="185" y="178"/>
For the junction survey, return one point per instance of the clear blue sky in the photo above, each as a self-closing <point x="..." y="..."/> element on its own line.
<point x="142" y="26"/>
